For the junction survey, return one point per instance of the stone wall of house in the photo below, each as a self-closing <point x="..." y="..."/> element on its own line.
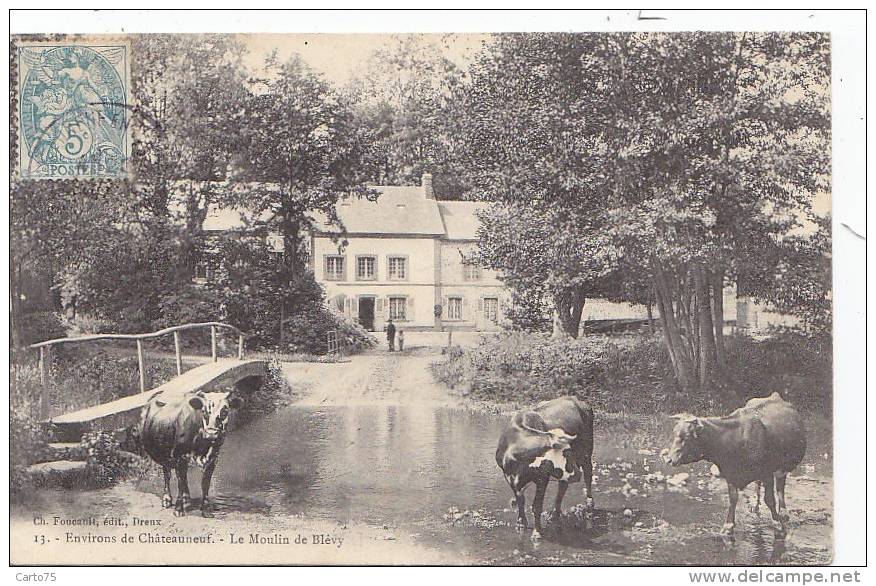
<point x="471" y="298"/>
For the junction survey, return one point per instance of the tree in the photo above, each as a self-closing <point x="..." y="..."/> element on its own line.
<point x="405" y="96"/>
<point x="694" y="154"/>
<point x="189" y="105"/>
<point x="530" y="111"/>
<point x="723" y="145"/>
<point x="53" y="224"/>
<point x="300" y="152"/>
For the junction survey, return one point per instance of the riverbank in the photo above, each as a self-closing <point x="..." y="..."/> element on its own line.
<point x="377" y="452"/>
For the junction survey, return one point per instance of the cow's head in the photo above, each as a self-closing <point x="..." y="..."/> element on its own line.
<point x="215" y="409"/>
<point x="685" y="446"/>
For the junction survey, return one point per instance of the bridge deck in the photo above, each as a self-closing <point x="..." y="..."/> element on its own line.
<point x="213" y="375"/>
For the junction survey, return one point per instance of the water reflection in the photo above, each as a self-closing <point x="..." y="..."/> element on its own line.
<point x="407" y="465"/>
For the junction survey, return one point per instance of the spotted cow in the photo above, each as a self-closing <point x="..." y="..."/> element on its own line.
<point x="553" y="441"/>
<point x="185" y="429"/>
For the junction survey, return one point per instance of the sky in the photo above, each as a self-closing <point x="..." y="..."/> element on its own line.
<point x="341" y="56"/>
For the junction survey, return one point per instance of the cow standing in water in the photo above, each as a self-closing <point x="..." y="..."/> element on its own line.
<point x="183" y="429"/>
<point x="553" y="441"/>
<point x="760" y="442"/>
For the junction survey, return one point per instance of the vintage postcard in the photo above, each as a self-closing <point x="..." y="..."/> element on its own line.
<point x="505" y="298"/>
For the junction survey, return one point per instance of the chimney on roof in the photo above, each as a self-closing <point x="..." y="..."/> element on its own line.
<point x="426" y="183"/>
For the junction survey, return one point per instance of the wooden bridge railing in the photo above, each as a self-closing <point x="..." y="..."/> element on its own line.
<point x="44" y="348"/>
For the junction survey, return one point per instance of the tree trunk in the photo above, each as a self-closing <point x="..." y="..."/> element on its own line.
<point x="568" y="306"/>
<point x="682" y="362"/>
<point x="650" y="308"/>
<point x="717" y="280"/>
<point x="708" y="356"/>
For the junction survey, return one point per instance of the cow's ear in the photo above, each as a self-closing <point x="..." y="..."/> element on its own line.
<point x="197" y="403"/>
<point x="235" y="402"/>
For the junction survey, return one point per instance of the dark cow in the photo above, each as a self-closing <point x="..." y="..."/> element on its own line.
<point x="553" y="441"/>
<point x="760" y="442"/>
<point x="189" y="428"/>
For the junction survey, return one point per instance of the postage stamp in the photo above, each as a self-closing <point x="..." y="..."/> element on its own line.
<point x="74" y="117"/>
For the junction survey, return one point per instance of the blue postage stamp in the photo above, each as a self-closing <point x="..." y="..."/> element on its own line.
<point x="74" y="110"/>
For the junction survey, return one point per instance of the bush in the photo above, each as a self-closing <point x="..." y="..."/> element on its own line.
<point x="105" y="465"/>
<point x="633" y="374"/>
<point x="307" y="331"/>
<point x="28" y="444"/>
<point x="610" y="374"/>
<point x="797" y="366"/>
<point x="39" y="327"/>
<point x="271" y="395"/>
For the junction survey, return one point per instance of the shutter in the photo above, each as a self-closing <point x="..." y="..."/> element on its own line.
<point x="347" y="307"/>
<point x="480" y="304"/>
<point x="378" y="306"/>
<point x="464" y="308"/>
<point x="445" y="308"/>
<point x="409" y="310"/>
<point x="354" y="306"/>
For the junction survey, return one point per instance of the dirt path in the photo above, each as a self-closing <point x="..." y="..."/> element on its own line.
<point x="374" y="378"/>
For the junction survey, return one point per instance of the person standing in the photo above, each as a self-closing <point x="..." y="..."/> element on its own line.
<point x="390" y="335"/>
<point x="401" y="340"/>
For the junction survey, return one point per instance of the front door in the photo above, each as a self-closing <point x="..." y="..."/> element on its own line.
<point x="366" y="313"/>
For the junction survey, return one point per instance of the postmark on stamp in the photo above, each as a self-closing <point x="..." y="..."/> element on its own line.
<point x="73" y="114"/>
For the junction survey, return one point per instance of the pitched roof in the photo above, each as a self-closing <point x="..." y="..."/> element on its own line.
<point x="460" y="219"/>
<point x="398" y="210"/>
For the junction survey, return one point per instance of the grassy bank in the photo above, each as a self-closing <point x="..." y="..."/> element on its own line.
<point x="632" y="374"/>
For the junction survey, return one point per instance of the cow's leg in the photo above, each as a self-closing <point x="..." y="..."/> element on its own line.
<point x="166" y="498"/>
<point x="182" y="477"/>
<point x="781" y="477"/>
<point x="557" y="513"/>
<point x="769" y="497"/>
<point x="587" y="471"/>
<point x="756" y="507"/>
<point x="205" y="486"/>
<point x="730" y="523"/>
<point x="520" y="499"/>
<point x="538" y="506"/>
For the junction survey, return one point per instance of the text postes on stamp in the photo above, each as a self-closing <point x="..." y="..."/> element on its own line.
<point x="74" y="116"/>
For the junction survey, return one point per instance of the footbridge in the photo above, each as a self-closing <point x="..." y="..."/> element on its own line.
<point x="220" y="373"/>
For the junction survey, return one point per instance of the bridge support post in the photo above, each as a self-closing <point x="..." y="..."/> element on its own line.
<point x="178" y="352"/>
<point x="44" y="379"/>
<point x="141" y="363"/>
<point x="240" y="347"/>
<point x="213" y="342"/>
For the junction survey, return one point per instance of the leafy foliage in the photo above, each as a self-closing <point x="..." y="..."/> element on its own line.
<point x="39" y="327"/>
<point x="634" y="374"/>
<point x="672" y="162"/>
<point x="307" y="331"/>
<point x="406" y="95"/>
